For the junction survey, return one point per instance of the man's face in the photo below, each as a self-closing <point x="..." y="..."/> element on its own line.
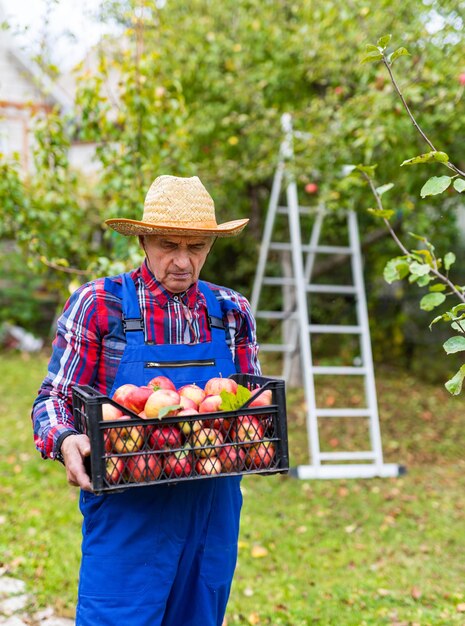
<point x="176" y="260"/>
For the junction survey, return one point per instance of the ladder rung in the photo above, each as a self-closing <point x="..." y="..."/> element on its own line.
<point x="276" y="347"/>
<point x="278" y="281"/>
<point x="343" y="412"/>
<point x="334" y="329"/>
<point x="339" y="370"/>
<point x="287" y="247"/>
<point x="347" y="456"/>
<point x="331" y="289"/>
<point x="276" y="315"/>
<point x="303" y="210"/>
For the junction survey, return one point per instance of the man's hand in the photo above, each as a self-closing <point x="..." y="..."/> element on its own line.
<point x="74" y="449"/>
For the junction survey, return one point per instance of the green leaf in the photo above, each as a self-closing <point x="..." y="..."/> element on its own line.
<point x="459" y="185"/>
<point x="442" y="157"/>
<point x="371" y="48"/>
<point x="400" y="52"/>
<point x="424" y="280"/>
<point x="454" y="385"/>
<point x="384" y="41"/>
<point x="457" y="308"/>
<point x="371" y="56"/>
<point x="425" y="158"/>
<point x="384" y="188"/>
<point x="232" y="401"/>
<point x="420" y="269"/>
<point x="384" y="213"/>
<point x="367" y="169"/>
<point x="437" y="319"/>
<point x="449" y="260"/>
<point x="163" y="412"/>
<point x="396" y="269"/>
<point x="431" y="301"/>
<point x="454" y="344"/>
<point x="438" y="287"/>
<point x="435" y="185"/>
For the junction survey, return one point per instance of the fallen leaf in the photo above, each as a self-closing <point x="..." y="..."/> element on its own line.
<point x="258" y="552"/>
<point x="415" y="592"/>
<point x="253" y="619"/>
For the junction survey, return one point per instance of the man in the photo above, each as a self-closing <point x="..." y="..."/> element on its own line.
<point x="162" y="555"/>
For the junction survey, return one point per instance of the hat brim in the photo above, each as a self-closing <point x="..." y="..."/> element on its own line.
<point x="134" y="227"/>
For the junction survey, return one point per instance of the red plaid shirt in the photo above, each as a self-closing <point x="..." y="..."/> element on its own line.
<point x="90" y="342"/>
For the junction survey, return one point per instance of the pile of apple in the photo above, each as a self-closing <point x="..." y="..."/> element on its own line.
<point x="190" y="446"/>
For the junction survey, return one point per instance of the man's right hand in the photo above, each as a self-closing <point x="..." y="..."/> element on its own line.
<point x="74" y="450"/>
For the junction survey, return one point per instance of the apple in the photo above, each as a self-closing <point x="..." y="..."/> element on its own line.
<point x="261" y="397"/>
<point x="462" y="78"/>
<point x="132" y="397"/>
<point x="127" y="438"/>
<point x="232" y="458"/>
<point x="261" y="455"/>
<point x="162" y="403"/>
<point x="210" y="404"/>
<point x="178" y="464"/>
<point x="161" y="382"/>
<point x="187" y="427"/>
<point x="110" y="412"/>
<point x="208" y="466"/>
<point x="247" y="428"/>
<point x="193" y="392"/>
<point x="187" y="403"/>
<point x="215" y="386"/>
<point x="114" y="469"/>
<point x="311" y="187"/>
<point x="144" y="467"/>
<point x="165" y="437"/>
<point x="204" y="440"/>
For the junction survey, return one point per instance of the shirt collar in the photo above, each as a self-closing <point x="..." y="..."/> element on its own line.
<point x="190" y="297"/>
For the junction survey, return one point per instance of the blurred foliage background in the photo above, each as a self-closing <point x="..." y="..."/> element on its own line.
<point x="199" y="88"/>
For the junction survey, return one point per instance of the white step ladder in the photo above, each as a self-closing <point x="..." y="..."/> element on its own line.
<point x="295" y="313"/>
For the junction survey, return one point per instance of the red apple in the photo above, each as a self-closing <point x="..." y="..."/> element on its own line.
<point x="204" y="440"/>
<point x="165" y="437"/>
<point x="193" y="392"/>
<point x="246" y="429"/>
<point x="260" y="456"/>
<point x="187" y="403"/>
<point x="110" y="412"/>
<point x="114" y="469"/>
<point x="178" y="464"/>
<point x="232" y="458"/>
<point x="210" y="404"/>
<point x="208" y="466"/>
<point x="161" y="382"/>
<point x="311" y="187"/>
<point x="132" y="397"/>
<point x="162" y="403"/>
<point x="462" y="78"/>
<point x="144" y="467"/>
<point x="216" y="385"/>
<point x="261" y="397"/>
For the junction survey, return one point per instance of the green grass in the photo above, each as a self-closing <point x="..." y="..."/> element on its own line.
<point x="342" y="552"/>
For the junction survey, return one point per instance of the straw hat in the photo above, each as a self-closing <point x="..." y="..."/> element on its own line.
<point x="177" y="206"/>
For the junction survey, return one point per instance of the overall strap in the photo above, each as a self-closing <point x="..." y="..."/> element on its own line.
<point x="133" y="323"/>
<point x="216" y="310"/>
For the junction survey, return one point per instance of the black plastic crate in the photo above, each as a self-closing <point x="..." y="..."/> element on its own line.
<point x="133" y="452"/>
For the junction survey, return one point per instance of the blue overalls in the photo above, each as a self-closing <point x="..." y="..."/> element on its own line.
<point x="162" y="555"/>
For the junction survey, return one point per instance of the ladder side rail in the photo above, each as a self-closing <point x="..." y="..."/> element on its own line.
<point x="267" y="234"/>
<point x="367" y="357"/>
<point x="301" y="297"/>
<point x="309" y="263"/>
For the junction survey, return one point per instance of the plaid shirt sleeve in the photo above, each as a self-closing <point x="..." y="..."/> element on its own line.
<point x="242" y="332"/>
<point x="74" y="360"/>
